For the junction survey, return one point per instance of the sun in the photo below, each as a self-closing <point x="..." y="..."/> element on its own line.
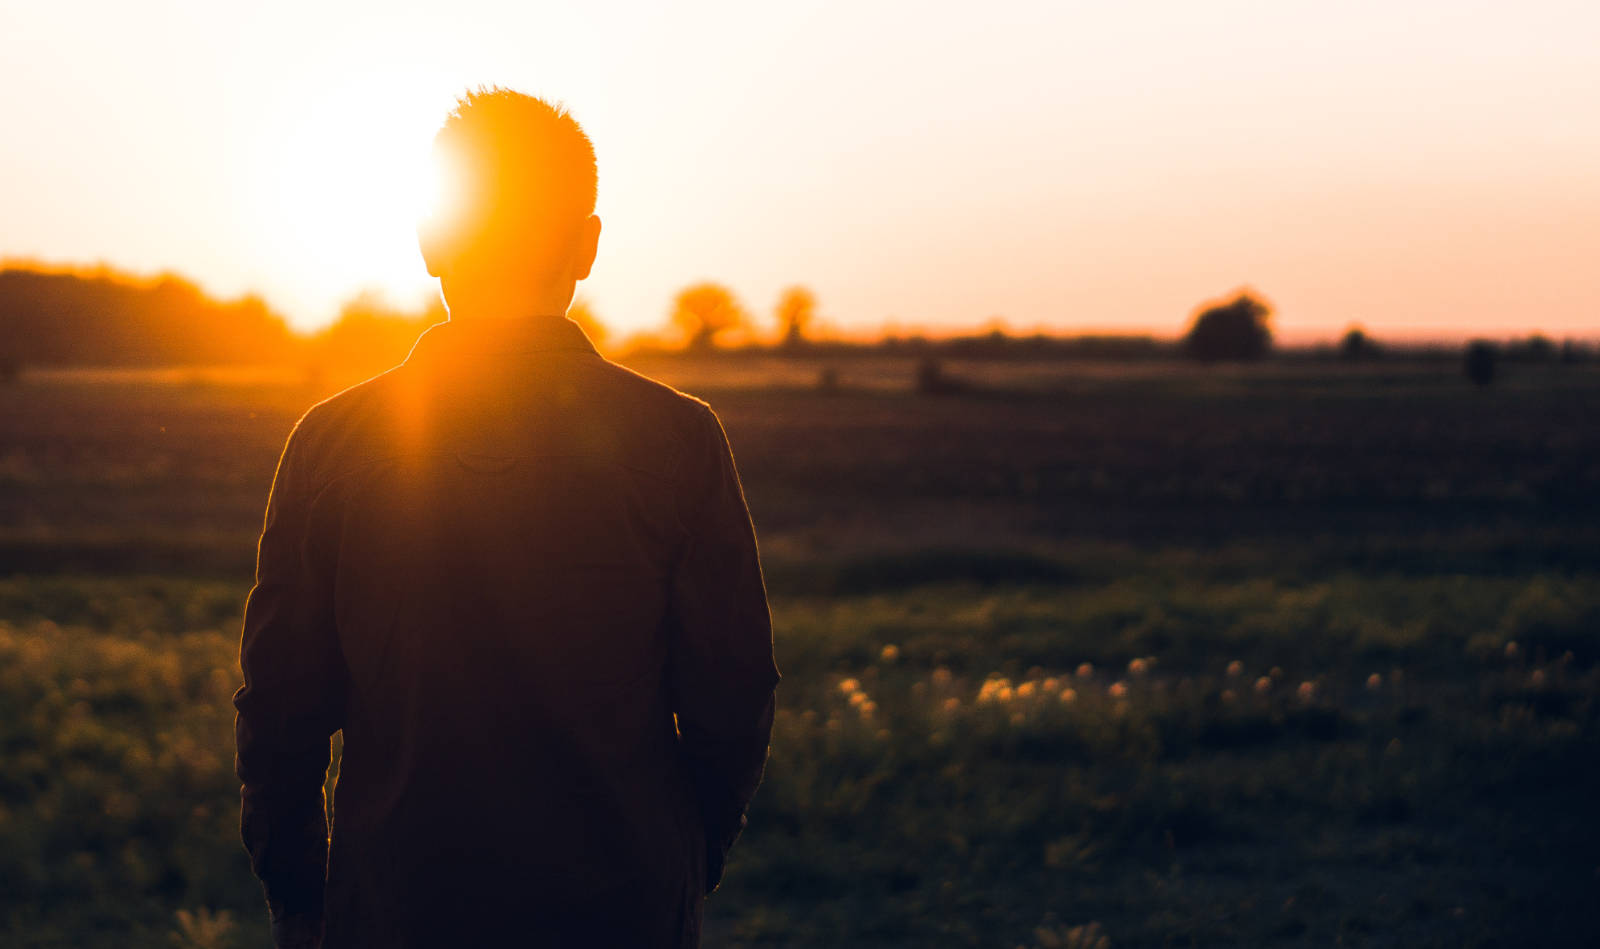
<point x="352" y="178"/>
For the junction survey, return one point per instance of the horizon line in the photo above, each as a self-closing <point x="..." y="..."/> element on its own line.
<point x="889" y="328"/>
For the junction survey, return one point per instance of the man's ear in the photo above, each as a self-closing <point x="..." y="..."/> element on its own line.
<point x="588" y="246"/>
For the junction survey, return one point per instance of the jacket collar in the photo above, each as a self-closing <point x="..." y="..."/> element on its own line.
<point x="491" y="337"/>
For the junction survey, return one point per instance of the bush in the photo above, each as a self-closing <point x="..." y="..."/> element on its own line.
<point x="1357" y="346"/>
<point x="1479" y="364"/>
<point x="1236" y="330"/>
<point x="932" y="380"/>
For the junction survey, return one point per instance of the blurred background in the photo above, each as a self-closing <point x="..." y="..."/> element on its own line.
<point x="1168" y="427"/>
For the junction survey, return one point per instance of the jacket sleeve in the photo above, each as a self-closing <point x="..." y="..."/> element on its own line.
<point x="291" y="703"/>
<point x="723" y="673"/>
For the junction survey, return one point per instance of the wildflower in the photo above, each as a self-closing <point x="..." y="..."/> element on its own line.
<point x="1263" y="685"/>
<point x="1119" y="689"/>
<point x="890" y="653"/>
<point x="1235" y="669"/>
<point x="1537" y="678"/>
<point x="1138" y="667"/>
<point x="1051" y="684"/>
<point x="1026" y="689"/>
<point x="867" y="708"/>
<point x="849" y="685"/>
<point x="1085" y="670"/>
<point x="1374" y="682"/>
<point x="951" y="704"/>
<point x="995" y="690"/>
<point x="941" y="676"/>
<point x="1228" y="697"/>
<point x="1068" y="696"/>
<point x="1277" y="672"/>
<point x="1016" y="718"/>
<point x="858" y="698"/>
<point x="1307" y="691"/>
<point x="1512" y="649"/>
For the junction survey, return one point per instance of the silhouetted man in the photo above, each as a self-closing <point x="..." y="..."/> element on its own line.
<point x="524" y="583"/>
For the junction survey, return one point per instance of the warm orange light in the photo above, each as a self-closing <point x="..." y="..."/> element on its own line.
<point x="440" y="195"/>
<point x="354" y="178"/>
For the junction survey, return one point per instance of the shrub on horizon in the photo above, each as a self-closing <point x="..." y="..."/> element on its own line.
<point x="1479" y="364"/>
<point x="1236" y="330"/>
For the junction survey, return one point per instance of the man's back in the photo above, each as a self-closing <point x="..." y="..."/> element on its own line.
<point x="503" y="569"/>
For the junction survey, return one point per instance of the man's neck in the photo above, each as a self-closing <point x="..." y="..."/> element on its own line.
<point x="475" y="304"/>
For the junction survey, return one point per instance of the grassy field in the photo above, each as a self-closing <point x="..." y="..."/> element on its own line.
<point x="1081" y="656"/>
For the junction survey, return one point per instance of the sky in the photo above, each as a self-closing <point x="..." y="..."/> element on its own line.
<point x="1425" y="169"/>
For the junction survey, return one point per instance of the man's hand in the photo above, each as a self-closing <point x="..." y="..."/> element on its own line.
<point x="297" y="932"/>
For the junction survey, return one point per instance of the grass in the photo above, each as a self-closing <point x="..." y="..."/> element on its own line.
<point x="929" y="783"/>
<point x="1149" y="660"/>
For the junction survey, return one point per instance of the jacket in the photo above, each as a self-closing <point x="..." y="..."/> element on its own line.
<point x="523" y="582"/>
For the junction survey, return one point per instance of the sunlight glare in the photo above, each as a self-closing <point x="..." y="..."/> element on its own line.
<point x="354" y="178"/>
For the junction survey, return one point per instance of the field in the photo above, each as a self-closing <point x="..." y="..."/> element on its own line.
<point x="1076" y="656"/>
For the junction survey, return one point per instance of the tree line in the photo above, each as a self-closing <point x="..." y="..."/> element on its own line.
<point x="103" y="318"/>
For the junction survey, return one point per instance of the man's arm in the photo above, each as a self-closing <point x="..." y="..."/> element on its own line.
<point x="291" y="704"/>
<point x="723" y="669"/>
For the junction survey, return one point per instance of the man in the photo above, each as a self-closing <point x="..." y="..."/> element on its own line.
<point x="523" y="581"/>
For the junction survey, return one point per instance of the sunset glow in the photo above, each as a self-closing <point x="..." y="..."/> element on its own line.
<point x="1425" y="169"/>
<point x="353" y="177"/>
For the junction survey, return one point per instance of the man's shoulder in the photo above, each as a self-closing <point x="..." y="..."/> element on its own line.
<point x="328" y="424"/>
<point x="347" y="404"/>
<point x="364" y="422"/>
<point x="674" y="429"/>
<point x="652" y="394"/>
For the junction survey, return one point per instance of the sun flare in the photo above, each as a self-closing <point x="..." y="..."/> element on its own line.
<point x="354" y="177"/>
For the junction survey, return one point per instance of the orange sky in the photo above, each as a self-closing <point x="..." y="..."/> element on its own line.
<point x="1426" y="168"/>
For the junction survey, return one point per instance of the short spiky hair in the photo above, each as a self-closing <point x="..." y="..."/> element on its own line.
<point x="520" y="166"/>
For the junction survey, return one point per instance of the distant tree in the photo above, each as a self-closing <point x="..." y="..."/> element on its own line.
<point x="933" y="380"/>
<point x="797" y="310"/>
<point x="1573" y="352"/>
<point x="1480" y="360"/>
<point x="581" y="313"/>
<point x="1537" y="348"/>
<point x="100" y="317"/>
<point x="705" y="311"/>
<point x="1238" y="329"/>
<point x="1357" y="346"/>
<point x="369" y="336"/>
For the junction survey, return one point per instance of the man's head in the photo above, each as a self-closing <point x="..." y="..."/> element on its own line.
<point x="514" y="228"/>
